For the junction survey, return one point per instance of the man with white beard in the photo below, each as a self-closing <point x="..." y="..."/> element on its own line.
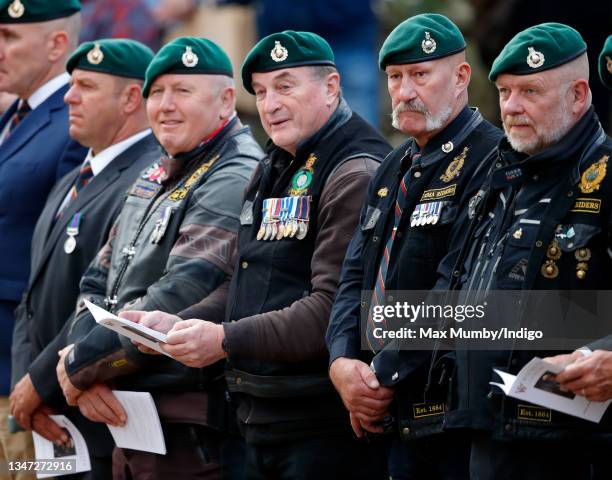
<point x="540" y="222"/>
<point x="411" y="207"/>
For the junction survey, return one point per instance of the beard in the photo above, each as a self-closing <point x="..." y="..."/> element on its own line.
<point x="547" y="133"/>
<point x="432" y="122"/>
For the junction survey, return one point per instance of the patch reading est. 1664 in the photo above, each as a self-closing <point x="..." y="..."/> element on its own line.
<point x="587" y="205"/>
<point x="438" y="193"/>
<point x="420" y="410"/>
<point x="536" y="414"/>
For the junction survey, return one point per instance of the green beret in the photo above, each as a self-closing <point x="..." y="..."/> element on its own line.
<point x="605" y="63"/>
<point x="30" y="11"/>
<point x="539" y="48"/>
<point x="286" y="49"/>
<point x="188" y="55"/>
<point x="419" y="39"/>
<point x="118" y="56"/>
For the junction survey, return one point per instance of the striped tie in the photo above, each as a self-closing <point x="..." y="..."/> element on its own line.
<point x="85" y="175"/>
<point x="378" y="295"/>
<point x="18" y="116"/>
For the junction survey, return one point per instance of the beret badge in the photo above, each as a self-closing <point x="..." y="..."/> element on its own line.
<point x="428" y="44"/>
<point x="16" y="9"/>
<point x="279" y="53"/>
<point x="535" y="59"/>
<point x="95" y="55"/>
<point x="189" y="58"/>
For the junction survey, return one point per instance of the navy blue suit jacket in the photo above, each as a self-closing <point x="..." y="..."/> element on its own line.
<point x="36" y="154"/>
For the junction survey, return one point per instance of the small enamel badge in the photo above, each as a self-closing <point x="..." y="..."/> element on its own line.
<point x="448" y="147"/>
<point x="279" y="53"/>
<point x="189" y="58"/>
<point x="16" y="9"/>
<point x="428" y="44"/>
<point x="594" y="175"/>
<point x="303" y="177"/>
<point x="535" y="59"/>
<point x="454" y="168"/>
<point x="95" y="55"/>
<point x="383" y="192"/>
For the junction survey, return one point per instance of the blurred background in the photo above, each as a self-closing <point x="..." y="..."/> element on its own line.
<point x="355" y="29"/>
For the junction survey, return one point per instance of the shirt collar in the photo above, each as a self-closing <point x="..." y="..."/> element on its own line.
<point x="48" y="89"/>
<point x="103" y="158"/>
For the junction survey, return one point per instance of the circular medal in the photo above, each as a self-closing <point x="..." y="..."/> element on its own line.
<point x="281" y="231"/>
<point x="302" y="231"/>
<point x="294" y="228"/>
<point x="69" y="245"/>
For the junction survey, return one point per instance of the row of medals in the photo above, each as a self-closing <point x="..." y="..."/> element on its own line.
<point x="553" y="253"/>
<point x="426" y="214"/>
<point x="276" y="230"/>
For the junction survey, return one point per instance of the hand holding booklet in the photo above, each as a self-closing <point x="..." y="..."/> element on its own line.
<point x="533" y="384"/>
<point x="139" y="333"/>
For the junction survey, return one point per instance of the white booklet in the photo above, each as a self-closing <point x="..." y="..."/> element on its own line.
<point x="76" y="450"/>
<point x="142" y="430"/>
<point x="144" y="335"/>
<point x="531" y="385"/>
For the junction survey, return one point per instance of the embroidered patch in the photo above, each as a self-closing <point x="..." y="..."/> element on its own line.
<point x="594" y="175"/>
<point x="587" y="205"/>
<point x="181" y="191"/>
<point x="439" y="193"/>
<point x="454" y="168"/>
<point x="533" y="413"/>
<point x="144" y="190"/>
<point x="420" y="410"/>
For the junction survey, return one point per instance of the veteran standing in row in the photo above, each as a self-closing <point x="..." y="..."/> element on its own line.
<point x="36" y="39"/>
<point x="541" y="223"/>
<point x="173" y="244"/>
<point x="412" y="205"/>
<point x="297" y="218"/>
<point x="107" y="114"/>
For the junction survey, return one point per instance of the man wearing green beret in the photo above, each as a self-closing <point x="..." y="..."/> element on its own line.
<point x="36" y="38"/>
<point x="413" y="203"/>
<point x="541" y="221"/>
<point x="107" y="114"/>
<point x="173" y="244"/>
<point x="298" y="215"/>
<point x="605" y="63"/>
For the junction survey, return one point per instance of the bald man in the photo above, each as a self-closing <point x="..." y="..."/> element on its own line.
<point x="411" y="207"/>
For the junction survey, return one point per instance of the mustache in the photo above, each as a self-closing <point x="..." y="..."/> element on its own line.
<point x="415" y="105"/>
<point x="511" y="120"/>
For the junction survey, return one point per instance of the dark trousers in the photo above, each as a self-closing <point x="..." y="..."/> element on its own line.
<point x="444" y="456"/>
<point x="193" y="452"/>
<point x="321" y="458"/>
<point x="537" y="460"/>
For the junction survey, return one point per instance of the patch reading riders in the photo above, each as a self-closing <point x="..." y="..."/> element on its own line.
<point x="533" y="413"/>
<point x="587" y="205"/>
<point x="438" y="193"/>
<point x="181" y="192"/>
<point x="420" y="410"/>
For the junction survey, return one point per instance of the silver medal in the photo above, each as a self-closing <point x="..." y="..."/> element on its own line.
<point x="69" y="244"/>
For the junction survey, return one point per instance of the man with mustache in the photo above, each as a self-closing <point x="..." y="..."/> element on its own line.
<point x="540" y="222"/>
<point x="411" y="207"/>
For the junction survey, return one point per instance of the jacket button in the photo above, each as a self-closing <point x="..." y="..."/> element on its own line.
<point x="539" y="244"/>
<point x="456" y="273"/>
<point x="244" y="265"/>
<point x="570" y="193"/>
<point x="238" y="380"/>
<point x="375" y="238"/>
<point x="30" y="315"/>
<point x="417" y="174"/>
<point x="508" y="427"/>
<point x="405" y="431"/>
